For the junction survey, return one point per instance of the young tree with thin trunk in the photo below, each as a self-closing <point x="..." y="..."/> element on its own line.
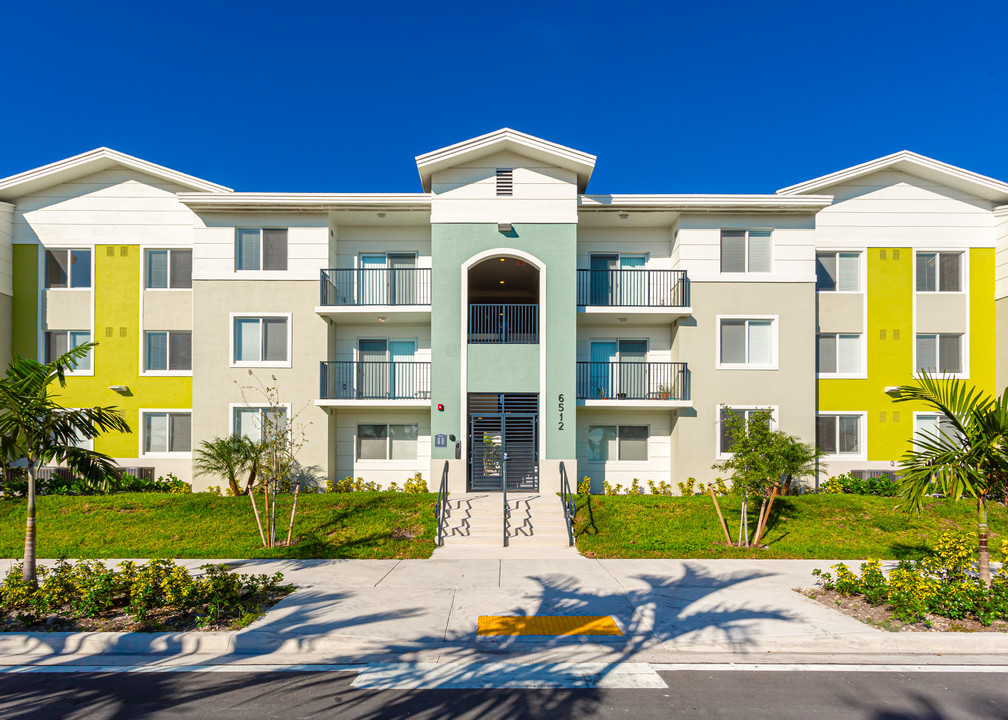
<point x="36" y="428"/>
<point x="965" y="456"/>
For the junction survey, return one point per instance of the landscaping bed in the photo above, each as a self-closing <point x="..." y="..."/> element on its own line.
<point x="146" y="525"/>
<point x="835" y="526"/>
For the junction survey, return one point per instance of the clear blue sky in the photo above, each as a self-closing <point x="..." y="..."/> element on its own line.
<point x="671" y="96"/>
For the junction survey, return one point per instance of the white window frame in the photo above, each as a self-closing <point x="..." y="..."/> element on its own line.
<point x="862" y="454"/>
<point x="147" y="249"/>
<point x="68" y="249"/>
<point x="260" y="316"/>
<point x="862" y="275"/>
<point x="262" y="248"/>
<point x="774" y="420"/>
<point x="143" y="412"/>
<point x="774" y="343"/>
<point x="255" y="406"/>
<point x="862" y="357"/>
<point x="618" y="424"/>
<point x="163" y="373"/>
<point x="963" y="354"/>
<point x="963" y="254"/>
<point x="747" y="271"/>
<point x="398" y="463"/>
<point x="89" y="372"/>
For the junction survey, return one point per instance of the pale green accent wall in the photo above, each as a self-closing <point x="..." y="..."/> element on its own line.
<point x="554" y="245"/>
<point x="503" y="368"/>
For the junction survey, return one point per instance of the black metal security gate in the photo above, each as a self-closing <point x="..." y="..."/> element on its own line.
<point x="503" y="441"/>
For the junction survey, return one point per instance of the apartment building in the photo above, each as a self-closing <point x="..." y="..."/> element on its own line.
<point x="503" y="320"/>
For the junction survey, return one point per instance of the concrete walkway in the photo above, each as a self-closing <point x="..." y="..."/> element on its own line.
<point x="414" y="611"/>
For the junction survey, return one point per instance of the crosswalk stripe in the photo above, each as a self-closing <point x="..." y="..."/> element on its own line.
<point x="428" y="676"/>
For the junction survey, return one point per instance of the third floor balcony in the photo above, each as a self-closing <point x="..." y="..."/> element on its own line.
<point x="636" y="294"/>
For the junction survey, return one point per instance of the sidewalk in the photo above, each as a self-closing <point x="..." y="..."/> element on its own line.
<point x="358" y="611"/>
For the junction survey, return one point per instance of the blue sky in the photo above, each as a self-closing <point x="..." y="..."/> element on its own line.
<point x="671" y="96"/>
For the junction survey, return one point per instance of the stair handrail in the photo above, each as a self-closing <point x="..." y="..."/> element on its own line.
<point x="441" y="505"/>
<point x="507" y="508"/>
<point x="567" y="499"/>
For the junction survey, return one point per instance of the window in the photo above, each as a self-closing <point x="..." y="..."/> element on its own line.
<point x="939" y="272"/>
<point x="724" y="437"/>
<point x="261" y="249"/>
<point x="839" y="434"/>
<point x="746" y="342"/>
<point x="169" y="269"/>
<point x="939" y="354"/>
<point x="746" y="251"/>
<point x="67" y="269"/>
<point x="838" y="271"/>
<point x="255" y="423"/>
<point x="387" y="442"/>
<point x="168" y="350"/>
<point x="261" y="340"/>
<point x="617" y="442"/>
<point x="167" y="432"/>
<point x="58" y="342"/>
<point x="840" y="354"/>
<point x="928" y="425"/>
<point x="505" y="182"/>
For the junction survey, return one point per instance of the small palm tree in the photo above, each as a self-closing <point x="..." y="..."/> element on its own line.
<point x="35" y="427"/>
<point x="969" y="458"/>
<point x="223" y="456"/>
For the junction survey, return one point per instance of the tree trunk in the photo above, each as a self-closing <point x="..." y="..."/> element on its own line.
<point x="28" y="569"/>
<point x="983" y="555"/>
<point x="233" y="484"/>
<point x="251" y="481"/>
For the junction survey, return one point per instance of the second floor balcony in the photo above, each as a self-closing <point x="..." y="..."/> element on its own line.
<point x="619" y="383"/>
<point x="364" y="382"/>
<point x="504" y="323"/>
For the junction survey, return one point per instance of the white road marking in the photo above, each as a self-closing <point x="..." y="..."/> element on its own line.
<point x="825" y="667"/>
<point x="429" y="676"/>
<point x="246" y="668"/>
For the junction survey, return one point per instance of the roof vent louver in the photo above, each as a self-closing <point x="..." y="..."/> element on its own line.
<point x="504" y="182"/>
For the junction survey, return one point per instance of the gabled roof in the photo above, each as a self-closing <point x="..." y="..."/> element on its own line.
<point x="90" y="162"/>
<point x="910" y="162"/>
<point x="506" y="139"/>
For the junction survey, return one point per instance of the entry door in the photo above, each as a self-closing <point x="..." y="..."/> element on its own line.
<point x="372" y="369"/>
<point x="633" y="291"/>
<point x="402" y="285"/>
<point x="603" y="278"/>
<point x="402" y="369"/>
<point x="372" y="285"/>
<point x="486" y="452"/>
<point x="503" y="450"/>
<point x="633" y="369"/>
<point x="603" y="368"/>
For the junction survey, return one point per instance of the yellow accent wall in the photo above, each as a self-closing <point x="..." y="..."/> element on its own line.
<point x="890" y="356"/>
<point x="118" y="356"/>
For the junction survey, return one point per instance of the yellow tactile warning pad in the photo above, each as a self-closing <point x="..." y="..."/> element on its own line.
<point x="547" y="625"/>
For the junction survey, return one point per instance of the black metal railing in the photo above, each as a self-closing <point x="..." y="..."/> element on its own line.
<point x="441" y="507"/>
<point x="568" y="503"/>
<point x="515" y="323"/>
<point x="507" y="509"/>
<point x="633" y="288"/>
<point x="625" y="380"/>
<point x="367" y="380"/>
<point x="376" y="286"/>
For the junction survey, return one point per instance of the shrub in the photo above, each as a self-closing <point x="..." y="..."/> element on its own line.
<point x="416" y="484"/>
<point x="584" y="487"/>
<point x="876" y="485"/>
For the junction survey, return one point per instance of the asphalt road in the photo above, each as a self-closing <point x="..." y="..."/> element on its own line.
<point x="690" y="694"/>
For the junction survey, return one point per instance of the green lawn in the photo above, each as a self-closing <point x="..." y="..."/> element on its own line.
<point x="147" y="525"/>
<point x="806" y="526"/>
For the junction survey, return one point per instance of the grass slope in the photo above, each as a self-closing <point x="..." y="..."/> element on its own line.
<point x="807" y="526"/>
<point x="147" y="525"/>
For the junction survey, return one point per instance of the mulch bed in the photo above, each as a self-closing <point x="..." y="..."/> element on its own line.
<point x="880" y="616"/>
<point x="116" y="620"/>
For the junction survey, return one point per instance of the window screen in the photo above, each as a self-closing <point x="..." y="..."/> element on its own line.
<point x="633" y="442"/>
<point x="372" y="442"/>
<point x="733" y="251"/>
<point x="403" y="442"/>
<point x="180" y="351"/>
<point x="733" y="340"/>
<point x="181" y="269"/>
<point x="274" y="243"/>
<point x="826" y="434"/>
<point x="56" y="268"/>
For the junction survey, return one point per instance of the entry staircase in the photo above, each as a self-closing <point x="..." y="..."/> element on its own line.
<point x="474" y="526"/>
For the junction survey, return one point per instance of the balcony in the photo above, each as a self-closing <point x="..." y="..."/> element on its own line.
<point x="633" y="384"/>
<point x="635" y="294"/>
<point x="355" y="383"/>
<point x="504" y="323"/>
<point x="369" y="295"/>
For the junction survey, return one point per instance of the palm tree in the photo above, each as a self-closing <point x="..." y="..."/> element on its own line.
<point x="969" y="457"/>
<point x="223" y="456"/>
<point x="35" y="427"/>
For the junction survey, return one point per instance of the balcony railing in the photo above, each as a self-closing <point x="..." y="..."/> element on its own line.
<point x="633" y="288"/>
<point x="632" y="381"/>
<point x="512" y="323"/>
<point x="375" y="380"/>
<point x="361" y="287"/>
